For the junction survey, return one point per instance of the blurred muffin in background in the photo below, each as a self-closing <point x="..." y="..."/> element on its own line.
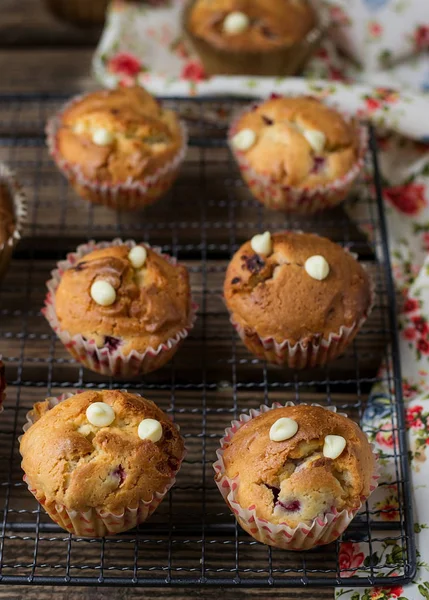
<point x="252" y="37"/>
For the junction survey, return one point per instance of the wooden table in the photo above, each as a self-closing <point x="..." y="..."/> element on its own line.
<point x="38" y="53"/>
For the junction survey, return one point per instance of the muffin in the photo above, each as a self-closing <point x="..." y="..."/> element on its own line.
<point x="117" y="147"/>
<point x="12" y="215"/>
<point x="79" y="12"/>
<point x="253" y="37"/>
<point x="296" y="299"/>
<point x="294" y="476"/>
<point x="120" y="308"/>
<point x="296" y="154"/>
<point x="2" y="384"/>
<point x="100" y="462"/>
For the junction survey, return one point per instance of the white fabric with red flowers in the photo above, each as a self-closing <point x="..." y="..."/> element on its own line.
<point x="143" y="44"/>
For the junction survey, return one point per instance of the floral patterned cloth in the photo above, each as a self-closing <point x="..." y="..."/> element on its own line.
<point x="144" y="44"/>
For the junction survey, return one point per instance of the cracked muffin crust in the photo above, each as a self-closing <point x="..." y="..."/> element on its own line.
<point x="291" y="481"/>
<point x="291" y="150"/>
<point x="272" y="297"/>
<point x="270" y="24"/>
<point x="151" y="301"/>
<point x="72" y="463"/>
<point x="284" y="150"/>
<point x="118" y="147"/>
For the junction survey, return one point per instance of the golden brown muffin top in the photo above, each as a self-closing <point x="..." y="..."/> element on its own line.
<point x="272" y="24"/>
<point x="152" y="302"/>
<point x="118" y="135"/>
<point x="292" y="481"/>
<point x="276" y="297"/>
<point x="298" y="142"/>
<point x="7" y="218"/>
<point x="108" y="468"/>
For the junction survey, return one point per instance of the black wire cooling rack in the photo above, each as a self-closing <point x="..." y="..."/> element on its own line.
<point x="192" y="539"/>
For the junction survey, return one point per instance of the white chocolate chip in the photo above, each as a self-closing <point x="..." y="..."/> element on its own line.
<point x="137" y="256"/>
<point x="333" y="446"/>
<point x="236" y="22"/>
<point x="103" y="293"/>
<point x="244" y="139"/>
<point x="100" y="414"/>
<point x="150" y="429"/>
<point x="316" y="139"/>
<point x="283" y="429"/>
<point x="85" y="429"/>
<point x="102" y="137"/>
<point x="262" y="244"/>
<point x="317" y="267"/>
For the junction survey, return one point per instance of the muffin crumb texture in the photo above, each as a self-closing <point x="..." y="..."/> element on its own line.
<point x="297" y="142"/>
<point x="251" y="25"/>
<point x="275" y="297"/>
<point x="118" y="136"/>
<point x="71" y="462"/>
<point x="291" y="481"/>
<point x="109" y="298"/>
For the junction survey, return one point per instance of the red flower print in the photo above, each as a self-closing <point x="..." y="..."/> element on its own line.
<point x="426" y="241"/>
<point x="385" y="436"/>
<point x="193" y="71"/>
<point x="408" y="199"/>
<point x="390" y="512"/>
<point x="374" y="29"/>
<point x="339" y="16"/>
<point x="409" y="333"/>
<point x="124" y="63"/>
<point x="372" y="104"/>
<point x="350" y="558"/>
<point x="410" y="305"/>
<point x="387" y="593"/>
<point x="421" y="325"/>
<point x="423" y="346"/>
<point x="421" y="37"/>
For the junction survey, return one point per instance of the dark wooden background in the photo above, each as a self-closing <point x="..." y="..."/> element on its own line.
<point x="40" y="53"/>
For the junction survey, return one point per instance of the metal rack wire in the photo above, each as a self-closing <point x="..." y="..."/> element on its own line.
<point x="192" y="539"/>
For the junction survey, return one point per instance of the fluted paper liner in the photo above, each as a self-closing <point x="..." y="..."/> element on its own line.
<point x="94" y="522"/>
<point x="2" y="385"/>
<point x="323" y="530"/>
<point x="103" y="360"/>
<point x="298" y="200"/>
<point x="129" y="195"/>
<point x="314" y="351"/>
<point x="19" y="206"/>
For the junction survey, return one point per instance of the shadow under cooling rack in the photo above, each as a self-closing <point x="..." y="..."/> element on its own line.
<point x="192" y="539"/>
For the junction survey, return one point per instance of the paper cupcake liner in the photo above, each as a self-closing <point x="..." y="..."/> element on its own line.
<point x="103" y="360"/>
<point x="130" y="195"/>
<point x="304" y="201"/>
<point x="19" y="202"/>
<point x="95" y="522"/>
<point x="323" y="530"/>
<point x="314" y="351"/>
